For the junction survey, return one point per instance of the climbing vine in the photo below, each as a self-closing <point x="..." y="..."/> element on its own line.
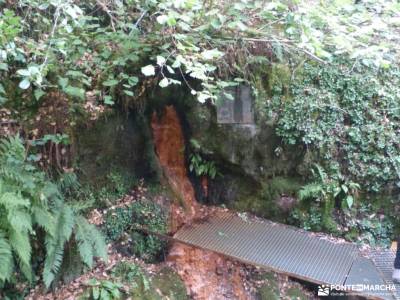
<point x="346" y="114"/>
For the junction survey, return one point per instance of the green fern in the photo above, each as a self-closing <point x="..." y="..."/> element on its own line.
<point x="90" y="241"/>
<point x="6" y="258"/>
<point x="28" y="201"/>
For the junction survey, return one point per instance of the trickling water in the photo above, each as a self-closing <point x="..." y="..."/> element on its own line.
<point x="207" y="275"/>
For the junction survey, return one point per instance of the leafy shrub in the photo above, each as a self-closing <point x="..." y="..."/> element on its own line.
<point x="116" y="185"/>
<point x="33" y="212"/>
<point x="346" y="113"/>
<point x="311" y="219"/>
<point x="123" y="221"/>
<point x="126" y="271"/>
<point x="198" y="164"/>
<point x="103" y="290"/>
<point x="329" y="190"/>
<point x="366" y="226"/>
<point x="360" y="224"/>
<point x="132" y="274"/>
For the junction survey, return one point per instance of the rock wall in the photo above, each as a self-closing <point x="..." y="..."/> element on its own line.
<point x="257" y="172"/>
<point x="121" y="141"/>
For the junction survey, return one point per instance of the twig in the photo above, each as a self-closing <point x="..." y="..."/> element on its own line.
<point x="53" y="30"/>
<point x="140" y="19"/>
<point x="107" y="11"/>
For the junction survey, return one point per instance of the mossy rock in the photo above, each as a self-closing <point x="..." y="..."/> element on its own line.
<point x="296" y="293"/>
<point x="270" y="289"/>
<point x="164" y="285"/>
<point x="116" y="142"/>
<point x="267" y="201"/>
<point x="168" y="282"/>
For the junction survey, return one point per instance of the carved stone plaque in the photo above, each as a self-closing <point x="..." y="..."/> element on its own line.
<point x="236" y="111"/>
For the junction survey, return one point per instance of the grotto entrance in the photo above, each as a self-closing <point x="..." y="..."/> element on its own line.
<point x="206" y="239"/>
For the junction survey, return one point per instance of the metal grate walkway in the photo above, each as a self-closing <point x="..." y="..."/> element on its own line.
<point x="286" y="250"/>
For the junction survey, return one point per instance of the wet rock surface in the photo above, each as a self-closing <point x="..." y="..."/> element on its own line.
<point x="207" y="275"/>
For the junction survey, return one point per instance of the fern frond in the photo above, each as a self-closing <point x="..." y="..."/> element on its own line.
<point x="20" y="244"/>
<point x="99" y="243"/>
<point x="85" y="246"/>
<point x="6" y="259"/>
<point x="310" y="191"/>
<point x="44" y="219"/>
<point x="20" y="220"/>
<point x="12" y="147"/>
<point x="13" y="200"/>
<point x="90" y="241"/>
<point x="55" y="245"/>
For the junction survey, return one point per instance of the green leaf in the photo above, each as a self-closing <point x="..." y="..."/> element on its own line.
<point x="149" y="70"/>
<point x="63" y="82"/>
<point x="6" y="259"/>
<point x="349" y="200"/>
<point x="104" y="295"/>
<point x="164" y="82"/>
<point x="162" y="19"/>
<point x="24" y="72"/>
<point x="211" y="54"/>
<point x="3" y="67"/>
<point x="39" y="93"/>
<point x="110" y="82"/>
<point x="75" y="92"/>
<point x="129" y="93"/>
<point x="160" y="60"/>
<point x="96" y="293"/>
<point x="24" y="84"/>
<point x="108" y="100"/>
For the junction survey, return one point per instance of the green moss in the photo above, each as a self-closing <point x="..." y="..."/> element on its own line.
<point x="123" y="221"/>
<point x="164" y="285"/>
<point x="265" y="202"/>
<point x="280" y="78"/>
<point x="270" y="289"/>
<point x="115" y="142"/>
<point x="170" y="284"/>
<point x="295" y="293"/>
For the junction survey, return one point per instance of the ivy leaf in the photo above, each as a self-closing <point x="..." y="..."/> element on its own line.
<point x="24" y="84"/>
<point x="149" y="70"/>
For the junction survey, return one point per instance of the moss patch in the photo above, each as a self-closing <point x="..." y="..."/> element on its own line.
<point x="170" y="284"/>
<point x="117" y="141"/>
<point x="164" y="285"/>
<point x="295" y="293"/>
<point x="265" y="203"/>
<point x="269" y="290"/>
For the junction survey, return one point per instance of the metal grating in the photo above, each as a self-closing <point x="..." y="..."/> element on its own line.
<point x="275" y="246"/>
<point x="384" y="263"/>
<point x="364" y="272"/>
